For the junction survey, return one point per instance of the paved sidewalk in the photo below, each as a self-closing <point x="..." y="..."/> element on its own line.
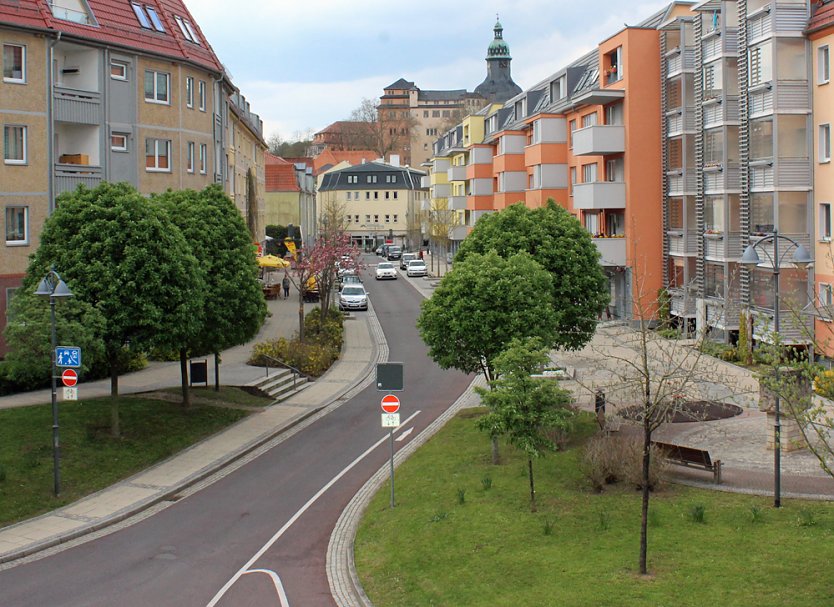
<point x="171" y="476"/>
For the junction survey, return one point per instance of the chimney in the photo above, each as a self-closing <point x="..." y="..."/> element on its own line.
<point x="395" y="160"/>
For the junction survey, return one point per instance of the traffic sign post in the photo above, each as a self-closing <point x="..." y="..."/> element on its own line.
<point x="391" y="419"/>
<point x="69" y="377"/>
<point x="390" y="403"/>
<point x="389" y="377"/>
<point x="68" y="356"/>
<point x="70" y="393"/>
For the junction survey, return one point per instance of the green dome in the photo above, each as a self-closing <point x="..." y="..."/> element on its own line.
<point x="498" y="48"/>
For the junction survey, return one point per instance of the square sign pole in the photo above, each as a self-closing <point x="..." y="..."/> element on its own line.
<point x="389" y="377"/>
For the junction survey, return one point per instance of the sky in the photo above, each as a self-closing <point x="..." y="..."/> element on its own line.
<point x="304" y="65"/>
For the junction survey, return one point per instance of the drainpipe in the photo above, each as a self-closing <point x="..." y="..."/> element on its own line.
<point x="50" y="122"/>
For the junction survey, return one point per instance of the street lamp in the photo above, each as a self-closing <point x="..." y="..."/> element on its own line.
<point x="801" y="259"/>
<point x="53" y="286"/>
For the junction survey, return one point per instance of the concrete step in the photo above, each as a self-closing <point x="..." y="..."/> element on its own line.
<point x="279" y="384"/>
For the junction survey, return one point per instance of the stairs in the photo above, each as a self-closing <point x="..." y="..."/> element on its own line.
<point x="280" y="384"/>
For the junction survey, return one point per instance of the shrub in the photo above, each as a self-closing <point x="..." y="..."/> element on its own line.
<point x="611" y="459"/>
<point x="310" y="358"/>
<point x="330" y="332"/>
<point x="824" y="383"/>
<point x="669" y="333"/>
<point x="697" y="513"/>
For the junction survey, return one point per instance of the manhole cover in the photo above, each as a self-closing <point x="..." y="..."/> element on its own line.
<point x="688" y="411"/>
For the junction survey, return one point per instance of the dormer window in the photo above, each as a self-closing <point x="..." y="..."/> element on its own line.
<point x="187" y="29"/>
<point x="75" y="11"/>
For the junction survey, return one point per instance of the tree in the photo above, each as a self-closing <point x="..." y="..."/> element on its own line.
<point x="382" y="131"/>
<point x="122" y="255"/>
<point x="233" y="306"/>
<point x="441" y="222"/>
<point x="561" y="245"/>
<point x="523" y="408"/>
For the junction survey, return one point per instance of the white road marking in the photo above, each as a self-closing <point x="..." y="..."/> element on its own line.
<point x="245" y="569"/>
<point x="404" y="435"/>
<point x="279" y="587"/>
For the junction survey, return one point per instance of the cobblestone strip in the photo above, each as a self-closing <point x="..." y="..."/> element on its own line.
<point x="341" y="569"/>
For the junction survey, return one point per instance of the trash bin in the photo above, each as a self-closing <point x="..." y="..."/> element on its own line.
<point x="199" y="372"/>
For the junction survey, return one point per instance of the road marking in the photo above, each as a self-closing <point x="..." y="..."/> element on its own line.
<point x="276" y="581"/>
<point x="404" y="435"/>
<point x="245" y="569"/>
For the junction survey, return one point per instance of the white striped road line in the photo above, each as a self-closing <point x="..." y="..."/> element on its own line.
<point x="405" y="434"/>
<point x="245" y="569"/>
<point x="276" y="581"/>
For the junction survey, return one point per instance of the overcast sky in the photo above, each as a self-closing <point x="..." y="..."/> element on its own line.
<point x="303" y="65"/>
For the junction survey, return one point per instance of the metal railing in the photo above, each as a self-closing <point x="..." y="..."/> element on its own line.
<point x="280" y="363"/>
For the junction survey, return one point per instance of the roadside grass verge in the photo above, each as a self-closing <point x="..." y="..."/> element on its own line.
<point x="228" y="395"/>
<point x="580" y="548"/>
<point x="91" y="459"/>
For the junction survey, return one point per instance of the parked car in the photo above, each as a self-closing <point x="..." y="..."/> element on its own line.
<point x="379" y="251"/>
<point x="386" y="269"/>
<point x="353" y="297"/>
<point x="394" y="252"/>
<point x="405" y="259"/>
<point x="350" y="279"/>
<point x="416" y="267"/>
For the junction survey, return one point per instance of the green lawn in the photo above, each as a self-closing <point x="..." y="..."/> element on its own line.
<point x="90" y="458"/>
<point x="228" y="395"/>
<point x="492" y="551"/>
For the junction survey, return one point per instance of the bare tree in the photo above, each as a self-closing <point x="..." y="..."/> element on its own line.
<point x="379" y="129"/>
<point x="440" y="223"/>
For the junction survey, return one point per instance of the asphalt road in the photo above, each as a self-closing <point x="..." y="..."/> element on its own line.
<point x="259" y="535"/>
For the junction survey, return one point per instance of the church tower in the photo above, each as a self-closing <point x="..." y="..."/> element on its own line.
<point x="498" y="85"/>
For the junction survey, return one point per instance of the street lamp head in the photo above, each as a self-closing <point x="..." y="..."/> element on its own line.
<point x="802" y="258"/>
<point x="62" y="290"/>
<point x="750" y="258"/>
<point x="44" y="287"/>
<point x="52" y="285"/>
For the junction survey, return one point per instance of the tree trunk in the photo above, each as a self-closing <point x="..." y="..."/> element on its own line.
<point x="496" y="456"/>
<point x="301" y="316"/>
<point x="217" y="372"/>
<point x="186" y="397"/>
<point x="532" y="486"/>
<point x="644" y="511"/>
<point x="115" y="430"/>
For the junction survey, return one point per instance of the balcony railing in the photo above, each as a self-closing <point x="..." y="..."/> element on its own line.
<point x="720" y="44"/>
<point x="599" y="140"/>
<point x="457" y="203"/>
<point x="456" y="173"/>
<point x="682" y="183"/>
<point x="680" y="121"/>
<point x="612" y="251"/>
<point x="720" y="178"/>
<point x="723" y="313"/>
<point x="677" y="62"/>
<point x="599" y="195"/>
<point x="724" y="246"/>
<point x="683" y="243"/>
<point x="78" y="107"/>
<point x="683" y="303"/>
<point x="721" y="111"/>
<point x="69" y="176"/>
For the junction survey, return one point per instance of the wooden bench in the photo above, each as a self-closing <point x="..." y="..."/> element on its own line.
<point x="691" y="458"/>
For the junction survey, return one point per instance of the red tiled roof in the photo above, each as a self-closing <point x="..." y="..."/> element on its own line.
<point x="270" y="158"/>
<point x="281" y="177"/>
<point x="822" y="17"/>
<point x="117" y="25"/>
<point x="329" y="158"/>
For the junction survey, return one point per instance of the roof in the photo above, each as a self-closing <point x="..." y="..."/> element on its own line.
<point x="330" y="158"/>
<point x="115" y="24"/>
<point x="822" y="17"/>
<point x="281" y="177"/>
<point x="337" y="179"/>
<point x="270" y="158"/>
<point x="401" y="84"/>
<point x="441" y="95"/>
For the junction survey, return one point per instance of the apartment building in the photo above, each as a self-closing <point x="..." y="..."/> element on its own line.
<point x="110" y="91"/>
<point x="821" y="35"/>
<point x="738" y="163"/>
<point x="380" y="202"/>
<point x="290" y="195"/>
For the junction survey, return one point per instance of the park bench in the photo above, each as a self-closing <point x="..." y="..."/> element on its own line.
<point x="691" y="458"/>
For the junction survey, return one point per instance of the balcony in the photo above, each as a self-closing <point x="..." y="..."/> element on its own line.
<point x="459" y="232"/>
<point x="599" y="195"/>
<point x="440" y="190"/>
<point x="677" y="62"/>
<point x="725" y="246"/>
<point x="456" y="173"/>
<point x="425" y="182"/>
<point x="78" y="107"/>
<point x="599" y="140"/>
<point x="683" y="303"/>
<point x="719" y="179"/>
<point x="69" y="176"/>
<point x="457" y="203"/>
<point x="680" y="121"/>
<point x="793" y="329"/>
<point x="717" y="44"/>
<point x="723" y="313"/>
<point x="683" y="244"/>
<point x="682" y="183"/>
<point x="721" y="111"/>
<point x="612" y="251"/>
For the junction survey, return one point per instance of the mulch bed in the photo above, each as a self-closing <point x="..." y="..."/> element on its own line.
<point x="689" y="411"/>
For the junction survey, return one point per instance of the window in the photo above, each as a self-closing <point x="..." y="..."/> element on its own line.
<point x="371" y="178"/>
<point x="186" y="29"/>
<point x="367" y="219"/>
<point x="760" y="65"/>
<point x="157" y="24"/>
<point x="14" y="144"/>
<point x="118" y="142"/>
<point x="425" y="113"/>
<point x="572" y="177"/>
<point x="589" y="173"/>
<point x="14" y="63"/>
<point x="353" y="179"/>
<point x="367" y="195"/>
<point x="387" y="219"/>
<point x="591" y="223"/>
<point x="589" y="120"/>
<point x="376" y="218"/>
<point x="189" y="158"/>
<point x="825" y="221"/>
<point x="156" y="87"/>
<point x="435" y="113"/>
<point x="396" y="218"/>
<point x="825" y="143"/>
<point x="356" y="195"/>
<point x="356" y="218"/>
<point x="17" y="226"/>
<point x="189" y="92"/>
<point x="823" y="65"/>
<point x="118" y="70"/>
<point x="202" y="91"/>
<point x="347" y="196"/>
<point x="395" y="195"/>
<point x="387" y="195"/>
<point x="610" y="170"/>
<point x="826" y="300"/>
<point x="535" y="177"/>
<point x="376" y="195"/>
<point x="158" y="155"/>
<point x="141" y="15"/>
<point x="203" y="158"/>
<point x="537" y="131"/>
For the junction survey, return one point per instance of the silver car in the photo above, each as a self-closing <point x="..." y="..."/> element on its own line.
<point x="353" y="297"/>
<point x="385" y="269"/>
<point x="416" y="267"/>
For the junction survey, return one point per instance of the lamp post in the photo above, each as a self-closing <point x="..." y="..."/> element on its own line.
<point x="53" y="286"/>
<point x="801" y="259"/>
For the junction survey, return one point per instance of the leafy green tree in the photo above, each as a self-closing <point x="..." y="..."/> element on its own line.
<point x="524" y="409"/>
<point x="123" y="256"/>
<point x="481" y="305"/>
<point x="233" y="307"/>
<point x="558" y="242"/>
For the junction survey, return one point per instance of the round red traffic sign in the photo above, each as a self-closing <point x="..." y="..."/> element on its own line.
<point x="69" y="377"/>
<point x="390" y="403"/>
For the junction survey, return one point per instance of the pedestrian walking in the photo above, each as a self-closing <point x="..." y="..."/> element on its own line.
<point x="286" y="284"/>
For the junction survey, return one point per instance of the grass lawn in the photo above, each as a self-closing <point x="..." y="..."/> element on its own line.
<point x="90" y="458"/>
<point x="580" y="548"/>
<point x="227" y="395"/>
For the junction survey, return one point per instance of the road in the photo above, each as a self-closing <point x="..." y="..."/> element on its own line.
<point x="259" y="535"/>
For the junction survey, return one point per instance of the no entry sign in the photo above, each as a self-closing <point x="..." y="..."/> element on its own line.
<point x="390" y="403"/>
<point x="69" y="377"/>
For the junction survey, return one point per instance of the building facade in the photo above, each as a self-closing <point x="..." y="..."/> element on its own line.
<point x="126" y="92"/>
<point x="379" y="202"/>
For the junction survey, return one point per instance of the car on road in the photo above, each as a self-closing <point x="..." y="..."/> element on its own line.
<point x="394" y="253"/>
<point x="405" y="259"/>
<point x="350" y="279"/>
<point x="353" y="297"/>
<point x="386" y="270"/>
<point x="416" y="267"/>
